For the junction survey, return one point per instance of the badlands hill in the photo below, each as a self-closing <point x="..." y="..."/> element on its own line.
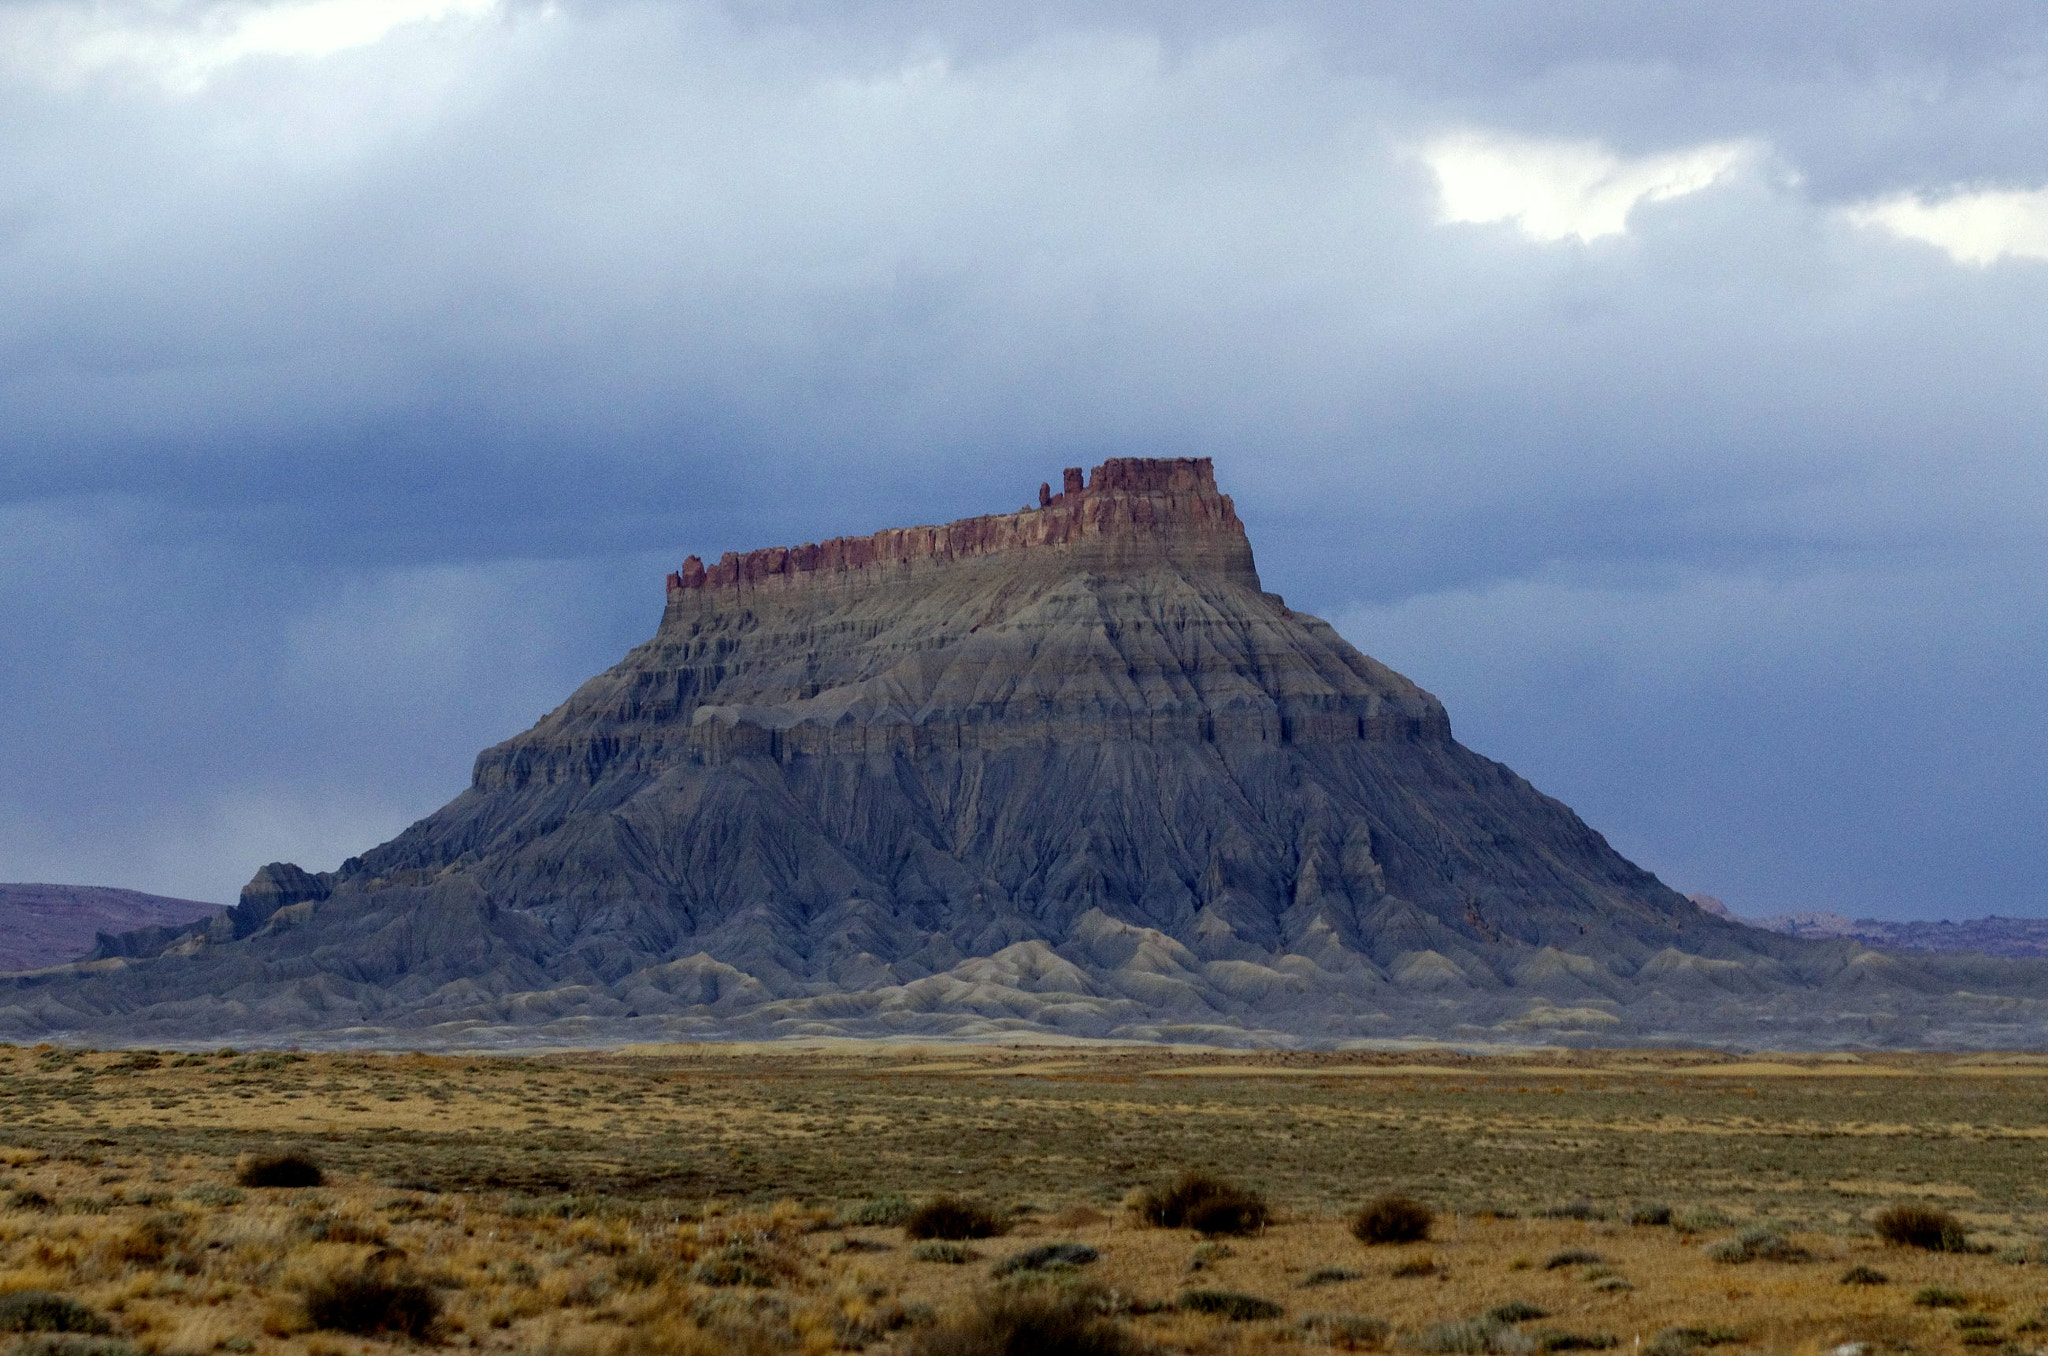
<point x="49" y="924"/>
<point x="1066" y="770"/>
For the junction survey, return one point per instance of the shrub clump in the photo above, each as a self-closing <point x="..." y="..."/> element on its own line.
<point x="1515" y="1311"/>
<point x="28" y="1198"/>
<point x="1202" y="1202"/>
<point x="1042" y="1322"/>
<point x="214" y="1194"/>
<point x="950" y="1217"/>
<point x="879" y="1212"/>
<point x="1572" y="1257"/>
<point x="1860" y="1275"/>
<point x="735" y="1264"/>
<point x="1474" y="1337"/>
<point x="368" y="1302"/>
<point x="1581" y="1209"/>
<point x="1550" y="1339"/>
<point x="1345" y="1332"/>
<point x="940" y="1250"/>
<point x="1680" y="1341"/>
<point x="1940" y="1297"/>
<point x="1330" y="1276"/>
<point x="1650" y="1215"/>
<point x="1228" y="1304"/>
<point x="1047" y="1257"/>
<point x="152" y="1240"/>
<point x="280" y="1170"/>
<point x="41" y="1311"/>
<point x="638" y="1270"/>
<point x="1761" y="1244"/>
<point x="1921" y="1226"/>
<point x="1392" y="1219"/>
<point x="69" y="1344"/>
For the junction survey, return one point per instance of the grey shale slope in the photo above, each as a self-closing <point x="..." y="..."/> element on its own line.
<point x="1066" y="770"/>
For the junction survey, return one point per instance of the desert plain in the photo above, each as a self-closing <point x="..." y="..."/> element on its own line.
<point x="753" y="1198"/>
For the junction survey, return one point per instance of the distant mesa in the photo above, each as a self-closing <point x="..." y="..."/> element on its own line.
<point x="1992" y="936"/>
<point x="43" y="925"/>
<point x="1067" y="770"/>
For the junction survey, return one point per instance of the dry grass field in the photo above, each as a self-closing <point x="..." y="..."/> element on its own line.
<point x="751" y="1199"/>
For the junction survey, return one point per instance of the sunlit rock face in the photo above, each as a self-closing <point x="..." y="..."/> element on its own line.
<point x="1064" y="770"/>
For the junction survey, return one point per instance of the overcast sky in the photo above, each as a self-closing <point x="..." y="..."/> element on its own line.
<point x="1661" y="385"/>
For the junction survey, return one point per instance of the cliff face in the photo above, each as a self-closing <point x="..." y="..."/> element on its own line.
<point x="1064" y="769"/>
<point x="1130" y="511"/>
<point x="1126" y="611"/>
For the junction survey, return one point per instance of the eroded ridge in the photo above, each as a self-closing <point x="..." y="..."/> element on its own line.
<point x="1164" y="501"/>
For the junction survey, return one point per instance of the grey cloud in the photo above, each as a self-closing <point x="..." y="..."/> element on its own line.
<point x="354" y="405"/>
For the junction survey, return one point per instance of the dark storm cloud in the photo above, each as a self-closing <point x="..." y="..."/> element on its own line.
<point x="361" y="375"/>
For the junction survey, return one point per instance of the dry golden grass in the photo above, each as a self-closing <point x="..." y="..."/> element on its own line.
<point x="678" y="1201"/>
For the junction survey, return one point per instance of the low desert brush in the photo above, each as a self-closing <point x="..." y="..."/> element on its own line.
<point x="737" y="1263"/>
<point x="1345" y="1332"/>
<point x="1205" y="1203"/>
<point x="1761" y="1244"/>
<point x="1228" y="1304"/>
<point x="1331" y="1276"/>
<point x="1392" y="1219"/>
<point x="950" y="1217"/>
<point x="280" y="1170"/>
<point x="1581" y="1209"/>
<point x="1473" y="1337"/>
<point x="41" y="1311"/>
<point x="70" y="1344"/>
<point x="1572" y="1257"/>
<point x="1046" y="1258"/>
<point x="878" y="1212"/>
<point x="1680" y="1341"/>
<point x="943" y="1250"/>
<point x="370" y="1302"/>
<point x="1039" y="1322"/>
<point x="1921" y="1226"/>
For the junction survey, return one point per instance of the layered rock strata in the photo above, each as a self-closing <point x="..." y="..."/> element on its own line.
<point x="1066" y="770"/>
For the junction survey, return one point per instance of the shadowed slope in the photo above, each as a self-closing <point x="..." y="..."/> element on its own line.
<point x="1066" y="769"/>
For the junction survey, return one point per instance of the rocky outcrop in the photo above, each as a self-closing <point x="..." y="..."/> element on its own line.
<point x="1130" y="509"/>
<point x="1068" y="769"/>
<point x="1709" y="904"/>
